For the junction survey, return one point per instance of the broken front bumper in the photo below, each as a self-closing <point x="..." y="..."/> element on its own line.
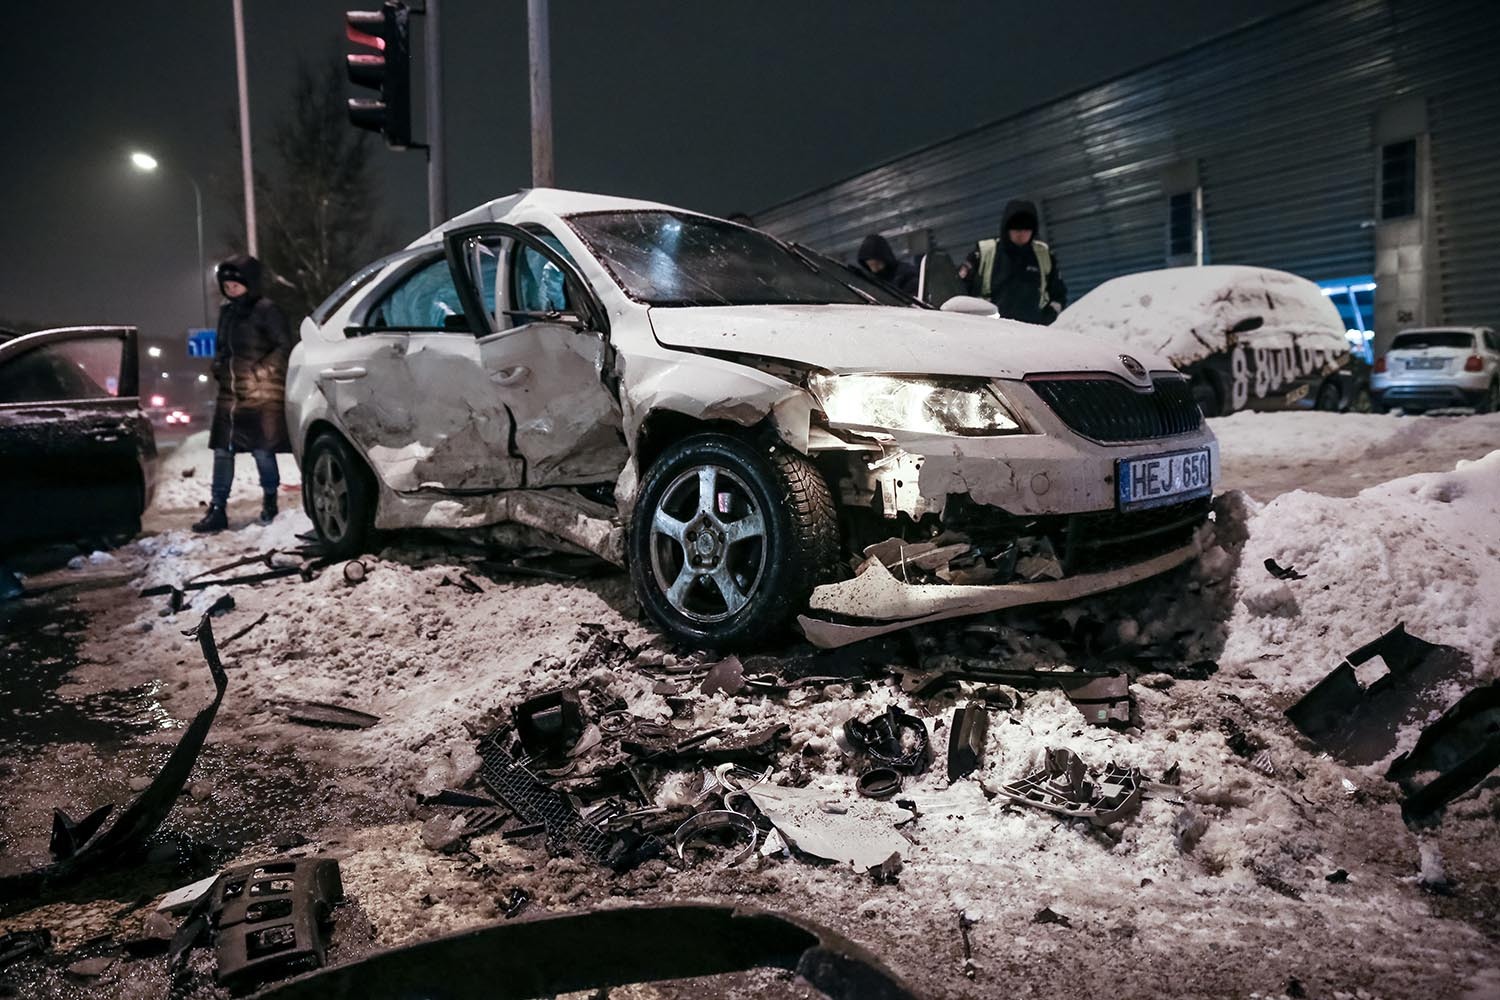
<point x="875" y="602"/>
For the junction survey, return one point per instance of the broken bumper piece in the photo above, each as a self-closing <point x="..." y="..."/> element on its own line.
<point x="875" y="602"/>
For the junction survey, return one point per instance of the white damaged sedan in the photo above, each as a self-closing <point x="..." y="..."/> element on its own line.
<point x="759" y="434"/>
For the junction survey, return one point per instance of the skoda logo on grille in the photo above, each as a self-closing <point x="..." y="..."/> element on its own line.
<point x="1134" y="367"/>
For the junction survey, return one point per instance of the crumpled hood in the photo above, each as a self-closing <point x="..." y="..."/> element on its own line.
<point x="855" y="338"/>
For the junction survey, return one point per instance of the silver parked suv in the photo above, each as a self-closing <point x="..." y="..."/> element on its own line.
<point x="1438" y="367"/>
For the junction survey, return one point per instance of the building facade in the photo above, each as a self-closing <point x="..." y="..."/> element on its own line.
<point x="1354" y="142"/>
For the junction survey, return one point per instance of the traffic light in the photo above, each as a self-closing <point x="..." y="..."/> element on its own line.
<point x="386" y="69"/>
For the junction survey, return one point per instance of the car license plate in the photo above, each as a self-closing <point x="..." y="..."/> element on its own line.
<point x="1426" y="364"/>
<point x="1163" y="479"/>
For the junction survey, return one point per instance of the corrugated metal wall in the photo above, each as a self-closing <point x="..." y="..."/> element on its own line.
<point x="1277" y="120"/>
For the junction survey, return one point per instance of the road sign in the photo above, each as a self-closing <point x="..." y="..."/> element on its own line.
<point x="202" y="343"/>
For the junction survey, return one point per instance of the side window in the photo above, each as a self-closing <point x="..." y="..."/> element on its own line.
<point x="426" y="299"/>
<point x="1491" y="342"/>
<point x="70" y="370"/>
<point x="537" y="284"/>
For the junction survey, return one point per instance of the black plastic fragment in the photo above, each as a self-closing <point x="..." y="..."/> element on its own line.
<point x="894" y="739"/>
<point x="272" y="919"/>
<point x="1461" y="746"/>
<point x="549" y="724"/>
<point x="966" y="739"/>
<point x="1283" y="572"/>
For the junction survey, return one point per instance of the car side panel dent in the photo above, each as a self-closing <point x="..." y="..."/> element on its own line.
<point x="709" y="389"/>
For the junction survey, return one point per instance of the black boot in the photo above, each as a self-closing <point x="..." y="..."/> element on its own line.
<point x="268" y="509"/>
<point x="214" y="520"/>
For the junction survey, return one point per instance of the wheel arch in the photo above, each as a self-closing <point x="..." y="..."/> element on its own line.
<point x="320" y="427"/>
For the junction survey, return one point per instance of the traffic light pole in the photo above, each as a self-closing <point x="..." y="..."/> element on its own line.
<point x="437" y="194"/>
<point x="540" y="47"/>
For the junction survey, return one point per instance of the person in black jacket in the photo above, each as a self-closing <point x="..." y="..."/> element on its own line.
<point x="879" y="261"/>
<point x="254" y="344"/>
<point x="1017" y="272"/>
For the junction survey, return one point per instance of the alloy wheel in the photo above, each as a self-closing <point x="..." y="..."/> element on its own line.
<point x="330" y="496"/>
<point x="708" y="543"/>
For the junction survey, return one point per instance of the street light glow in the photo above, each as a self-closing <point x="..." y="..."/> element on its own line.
<point x="163" y="374"/>
<point x="143" y="161"/>
<point x="155" y="352"/>
<point x="202" y="378"/>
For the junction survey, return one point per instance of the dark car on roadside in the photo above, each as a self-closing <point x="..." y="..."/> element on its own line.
<point x="77" y="454"/>
<point x="1248" y="338"/>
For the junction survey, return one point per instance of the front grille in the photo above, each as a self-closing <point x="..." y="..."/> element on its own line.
<point x="1108" y="410"/>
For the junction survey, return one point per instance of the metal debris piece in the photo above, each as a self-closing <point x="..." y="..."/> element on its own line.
<point x="533" y="802"/>
<point x="703" y="823"/>
<point x="837" y="827"/>
<point x="1047" y="915"/>
<point x="1276" y="883"/>
<point x="879" y="783"/>
<point x="272" y="919"/>
<point x="241" y="632"/>
<point x="179" y="901"/>
<point x="513" y="905"/>
<point x="17" y="945"/>
<point x="966" y="739"/>
<point x="1283" y="572"/>
<point x="465" y="582"/>
<point x="728" y="675"/>
<point x="322" y="713"/>
<point x="656" y="744"/>
<point x="354" y="572"/>
<point x="1358" y="724"/>
<point x="140" y="819"/>
<point x="923" y="683"/>
<point x="1066" y="787"/>
<point x="1338" y="876"/>
<point x="1102" y="700"/>
<point x="893" y="739"/>
<point x="1460" y="747"/>
<point x="550" y="724"/>
<point x="552" y="955"/>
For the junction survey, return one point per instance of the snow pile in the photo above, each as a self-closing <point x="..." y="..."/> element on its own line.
<point x="1424" y="550"/>
<point x="1185" y="313"/>
<point x="1308" y="435"/>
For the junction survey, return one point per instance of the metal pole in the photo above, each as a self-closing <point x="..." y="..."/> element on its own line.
<point x="202" y="275"/>
<point x="540" y="48"/>
<point x="246" y="167"/>
<point x="437" y="193"/>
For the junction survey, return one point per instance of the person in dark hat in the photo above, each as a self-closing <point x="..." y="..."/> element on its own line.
<point x="1017" y="272"/>
<point x="878" y="260"/>
<point x="254" y="344"/>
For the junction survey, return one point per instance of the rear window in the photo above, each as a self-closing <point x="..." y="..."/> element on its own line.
<point x="1416" y="340"/>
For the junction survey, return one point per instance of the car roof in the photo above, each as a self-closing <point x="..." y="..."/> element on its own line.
<point x="1443" y="329"/>
<point x="554" y="200"/>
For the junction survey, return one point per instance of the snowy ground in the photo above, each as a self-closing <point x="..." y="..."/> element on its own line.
<point x="1180" y="900"/>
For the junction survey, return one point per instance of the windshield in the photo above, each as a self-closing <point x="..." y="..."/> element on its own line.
<point x="862" y="281"/>
<point x="1415" y="340"/>
<point x="664" y="258"/>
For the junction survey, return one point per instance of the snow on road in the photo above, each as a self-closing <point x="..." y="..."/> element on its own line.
<point x="1177" y="901"/>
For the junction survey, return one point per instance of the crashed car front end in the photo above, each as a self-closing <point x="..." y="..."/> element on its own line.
<point x="967" y="495"/>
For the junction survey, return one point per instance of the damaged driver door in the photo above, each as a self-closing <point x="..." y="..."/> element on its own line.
<point x="409" y="386"/>
<point x="544" y="345"/>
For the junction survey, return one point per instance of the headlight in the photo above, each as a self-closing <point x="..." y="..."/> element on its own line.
<point x="969" y="407"/>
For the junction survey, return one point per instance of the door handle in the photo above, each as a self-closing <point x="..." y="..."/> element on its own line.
<point x="341" y="374"/>
<point x="510" y="376"/>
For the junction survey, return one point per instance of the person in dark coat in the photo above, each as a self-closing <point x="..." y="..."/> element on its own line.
<point x="1017" y="272"/>
<point x="254" y="344"/>
<point x="879" y="261"/>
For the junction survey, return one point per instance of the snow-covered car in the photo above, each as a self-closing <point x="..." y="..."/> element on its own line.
<point x="77" y="455"/>
<point x="1248" y="337"/>
<point x="1437" y="367"/>
<point x="748" y="430"/>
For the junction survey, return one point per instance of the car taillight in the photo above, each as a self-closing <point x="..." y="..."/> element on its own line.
<point x="1473" y="364"/>
<point x="1380" y="364"/>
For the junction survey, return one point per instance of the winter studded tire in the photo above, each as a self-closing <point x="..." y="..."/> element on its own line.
<point x="339" y="496"/>
<point x="729" y="538"/>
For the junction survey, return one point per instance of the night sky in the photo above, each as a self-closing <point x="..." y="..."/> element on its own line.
<point x="713" y="106"/>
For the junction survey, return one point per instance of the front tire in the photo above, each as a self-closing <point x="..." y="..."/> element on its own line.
<point x="1207" y="395"/>
<point x="340" y="495"/>
<point x="1330" y="396"/>
<point x="729" y="538"/>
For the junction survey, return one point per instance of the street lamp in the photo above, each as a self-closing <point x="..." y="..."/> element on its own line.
<point x="146" y="164"/>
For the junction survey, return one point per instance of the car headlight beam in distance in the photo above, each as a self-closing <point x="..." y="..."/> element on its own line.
<point x="967" y="407"/>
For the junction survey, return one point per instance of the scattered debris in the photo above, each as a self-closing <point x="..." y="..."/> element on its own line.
<point x="1102" y="700"/>
<point x="179" y="901"/>
<point x="465" y="582"/>
<point x="964" y="923"/>
<point x="272" y="919"/>
<point x="879" y="783"/>
<point x="354" y="572"/>
<point x="241" y="632"/>
<point x="1337" y="877"/>
<point x="321" y="713"/>
<point x="1357" y="723"/>
<point x="1065" y="786"/>
<point x="728" y="675"/>
<point x="1276" y="883"/>
<point x="1283" y="573"/>
<point x="550" y="724"/>
<point x="512" y="906"/>
<point x="714" y="820"/>
<point x="1047" y="915"/>
<point x="17" y="945"/>
<point x="895" y="739"/>
<point x="89" y="844"/>
<point x="966" y="739"/>
<point x="854" y="831"/>
<point x="599" y="949"/>
<point x="90" y="968"/>
<point x="1461" y="747"/>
